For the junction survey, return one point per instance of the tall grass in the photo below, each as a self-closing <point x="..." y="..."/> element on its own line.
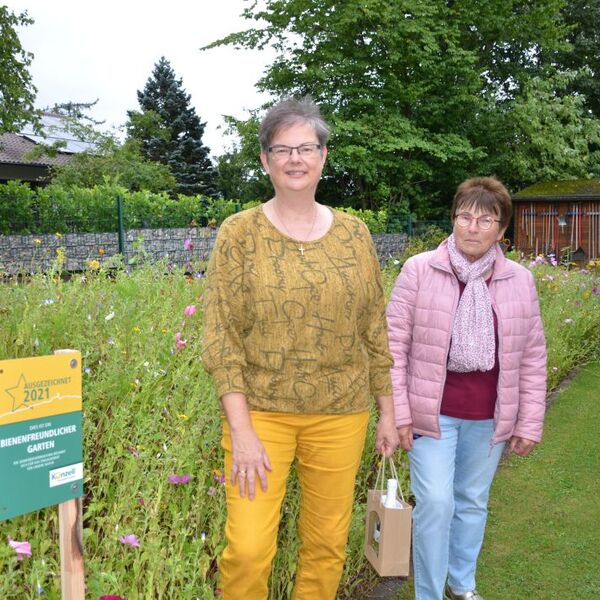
<point x="150" y="412"/>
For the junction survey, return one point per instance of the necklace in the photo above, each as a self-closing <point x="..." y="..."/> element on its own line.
<point x="301" y="246"/>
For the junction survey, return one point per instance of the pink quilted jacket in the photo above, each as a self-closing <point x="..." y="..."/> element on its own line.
<point x="420" y="315"/>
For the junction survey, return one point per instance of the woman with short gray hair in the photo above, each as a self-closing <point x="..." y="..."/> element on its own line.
<point x="295" y="339"/>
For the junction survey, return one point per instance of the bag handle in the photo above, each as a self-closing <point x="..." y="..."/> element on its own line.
<point x="394" y="475"/>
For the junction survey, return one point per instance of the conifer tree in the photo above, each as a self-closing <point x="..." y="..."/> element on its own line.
<point x="170" y="131"/>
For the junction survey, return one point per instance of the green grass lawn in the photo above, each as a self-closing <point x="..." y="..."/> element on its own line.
<point x="543" y="535"/>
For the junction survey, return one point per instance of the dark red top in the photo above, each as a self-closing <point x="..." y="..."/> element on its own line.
<point x="472" y="395"/>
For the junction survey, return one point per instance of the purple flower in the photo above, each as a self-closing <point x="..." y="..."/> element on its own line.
<point x="179" y="343"/>
<point x="188" y="244"/>
<point x="134" y="451"/>
<point x="211" y="491"/>
<point x="111" y="597"/>
<point x="179" y="479"/>
<point x="595" y="290"/>
<point x="130" y="539"/>
<point x="22" y="549"/>
<point x="218" y="476"/>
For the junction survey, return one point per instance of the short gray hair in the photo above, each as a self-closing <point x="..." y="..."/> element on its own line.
<point x="292" y="111"/>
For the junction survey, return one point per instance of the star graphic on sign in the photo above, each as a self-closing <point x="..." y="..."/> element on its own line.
<point x="18" y="394"/>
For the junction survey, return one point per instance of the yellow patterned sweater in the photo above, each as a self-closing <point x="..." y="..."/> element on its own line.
<point x="299" y="332"/>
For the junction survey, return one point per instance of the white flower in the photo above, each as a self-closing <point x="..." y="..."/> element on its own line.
<point x="109" y="316"/>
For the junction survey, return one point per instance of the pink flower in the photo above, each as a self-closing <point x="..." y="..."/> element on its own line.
<point x="189" y="310"/>
<point x="111" y="598"/>
<point x="211" y="491"/>
<point x="130" y="539"/>
<point x="595" y="290"/>
<point x="21" y="548"/>
<point x="179" y="479"/>
<point x="218" y="476"/>
<point x="188" y="244"/>
<point x="141" y="502"/>
<point x="179" y="343"/>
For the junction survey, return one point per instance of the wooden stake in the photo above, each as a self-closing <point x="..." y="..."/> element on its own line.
<point x="70" y="527"/>
<point x="72" y="577"/>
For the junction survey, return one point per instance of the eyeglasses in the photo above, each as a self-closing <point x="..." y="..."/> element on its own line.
<point x="304" y="150"/>
<point x="484" y="223"/>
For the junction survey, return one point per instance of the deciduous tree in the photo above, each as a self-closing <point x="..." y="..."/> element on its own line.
<point x="423" y="94"/>
<point x="17" y="92"/>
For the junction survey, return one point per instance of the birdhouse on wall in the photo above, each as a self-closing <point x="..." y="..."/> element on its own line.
<point x="559" y="217"/>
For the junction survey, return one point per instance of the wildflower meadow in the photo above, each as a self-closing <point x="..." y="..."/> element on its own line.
<point x="154" y="505"/>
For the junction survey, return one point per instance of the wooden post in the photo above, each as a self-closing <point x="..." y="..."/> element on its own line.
<point x="72" y="579"/>
<point x="70" y="526"/>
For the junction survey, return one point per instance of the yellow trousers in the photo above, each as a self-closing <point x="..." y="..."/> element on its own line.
<point x="328" y="449"/>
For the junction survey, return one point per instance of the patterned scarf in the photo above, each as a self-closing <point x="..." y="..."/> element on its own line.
<point x="473" y="340"/>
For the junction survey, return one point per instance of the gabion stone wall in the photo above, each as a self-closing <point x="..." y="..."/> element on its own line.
<point x="31" y="253"/>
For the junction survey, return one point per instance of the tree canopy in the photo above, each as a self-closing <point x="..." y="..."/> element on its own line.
<point x="17" y="92"/>
<point x="422" y="94"/>
<point x="170" y="132"/>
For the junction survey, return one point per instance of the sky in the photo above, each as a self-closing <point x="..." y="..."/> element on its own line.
<point x="106" y="50"/>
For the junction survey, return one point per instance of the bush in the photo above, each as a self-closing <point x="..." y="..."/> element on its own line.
<point x="62" y="209"/>
<point x="376" y="221"/>
<point x="16" y="208"/>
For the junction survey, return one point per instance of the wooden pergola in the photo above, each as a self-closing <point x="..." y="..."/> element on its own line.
<point x="558" y="217"/>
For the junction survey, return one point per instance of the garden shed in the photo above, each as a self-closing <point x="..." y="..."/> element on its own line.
<point x="558" y="217"/>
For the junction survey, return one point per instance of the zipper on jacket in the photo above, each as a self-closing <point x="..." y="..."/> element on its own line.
<point x="449" y="338"/>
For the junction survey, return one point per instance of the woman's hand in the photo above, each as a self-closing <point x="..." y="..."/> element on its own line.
<point x="386" y="436"/>
<point x="521" y="446"/>
<point x="249" y="461"/>
<point x="405" y="433"/>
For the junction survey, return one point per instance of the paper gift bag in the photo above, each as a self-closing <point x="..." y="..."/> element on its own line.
<point x="388" y="528"/>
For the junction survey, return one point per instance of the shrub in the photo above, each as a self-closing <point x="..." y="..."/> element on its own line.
<point x="16" y="208"/>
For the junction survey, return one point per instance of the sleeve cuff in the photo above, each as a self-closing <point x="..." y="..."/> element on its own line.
<point x="380" y="383"/>
<point x="228" y="379"/>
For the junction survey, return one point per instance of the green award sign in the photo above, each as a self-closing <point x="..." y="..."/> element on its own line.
<point x="41" y="457"/>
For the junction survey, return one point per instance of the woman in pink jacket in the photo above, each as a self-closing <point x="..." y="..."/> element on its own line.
<point x="469" y="375"/>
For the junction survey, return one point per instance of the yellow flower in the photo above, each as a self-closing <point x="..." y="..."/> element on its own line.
<point x="93" y="265"/>
<point x="101" y="250"/>
<point x="136" y="329"/>
<point x="183" y="417"/>
<point x="58" y="235"/>
<point x="37" y="241"/>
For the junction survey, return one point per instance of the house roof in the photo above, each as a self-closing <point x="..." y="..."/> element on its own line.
<point x="577" y="189"/>
<point x="55" y="129"/>
<point x="14" y="148"/>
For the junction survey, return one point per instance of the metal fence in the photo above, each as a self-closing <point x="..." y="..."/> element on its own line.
<point x="179" y="246"/>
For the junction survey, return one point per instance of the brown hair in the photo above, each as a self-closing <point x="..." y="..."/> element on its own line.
<point x="487" y="194"/>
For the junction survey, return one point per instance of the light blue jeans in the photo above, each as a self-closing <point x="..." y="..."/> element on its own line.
<point x="451" y="479"/>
